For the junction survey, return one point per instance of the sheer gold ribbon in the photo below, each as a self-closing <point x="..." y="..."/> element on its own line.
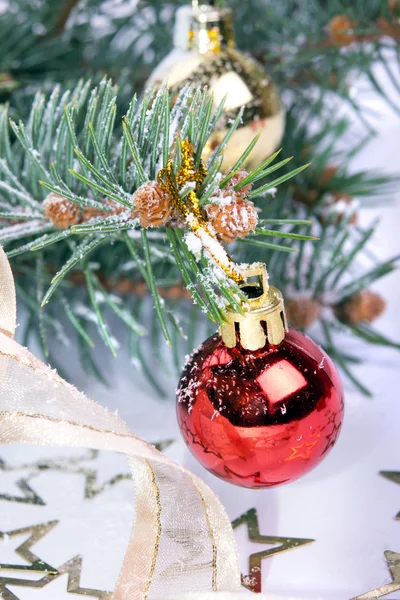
<point x="182" y="540"/>
<point x="182" y="546"/>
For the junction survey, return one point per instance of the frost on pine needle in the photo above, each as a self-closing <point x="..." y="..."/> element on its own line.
<point x="178" y="111"/>
<point x="21" y="230"/>
<point x="17" y="192"/>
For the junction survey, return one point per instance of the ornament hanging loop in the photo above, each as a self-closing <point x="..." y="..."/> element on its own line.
<point x="263" y="320"/>
<point x="256" y="291"/>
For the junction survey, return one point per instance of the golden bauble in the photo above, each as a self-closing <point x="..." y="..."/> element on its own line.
<point x="205" y="55"/>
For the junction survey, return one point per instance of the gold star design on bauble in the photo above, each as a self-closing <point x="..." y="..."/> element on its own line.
<point x="392" y="476"/>
<point x="35" y="533"/>
<point x="73" y="568"/>
<point x="253" y="581"/>
<point x="393" y="563"/>
<point x="303" y="450"/>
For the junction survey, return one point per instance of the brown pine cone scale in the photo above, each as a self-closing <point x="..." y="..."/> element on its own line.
<point x="153" y="206"/>
<point x="363" y="307"/>
<point x="62" y="212"/>
<point x="302" y="312"/>
<point x="232" y="216"/>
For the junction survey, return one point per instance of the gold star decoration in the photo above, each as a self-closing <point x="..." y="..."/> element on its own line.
<point x="253" y="581"/>
<point x="36" y="532"/>
<point x="45" y="464"/>
<point x="73" y="567"/>
<point x="392" y="476"/>
<point x="393" y="563"/>
<point x="67" y="465"/>
<point x="29" y="495"/>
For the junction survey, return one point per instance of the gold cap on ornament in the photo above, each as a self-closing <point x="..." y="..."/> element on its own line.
<point x="204" y="27"/>
<point x="264" y="319"/>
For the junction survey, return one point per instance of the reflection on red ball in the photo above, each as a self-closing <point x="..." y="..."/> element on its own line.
<point x="259" y="419"/>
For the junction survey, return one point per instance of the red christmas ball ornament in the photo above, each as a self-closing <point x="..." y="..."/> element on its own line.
<point x="259" y="405"/>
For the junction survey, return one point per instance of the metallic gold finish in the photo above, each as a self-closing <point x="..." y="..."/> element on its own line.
<point x="158" y="536"/>
<point x="36" y="533"/>
<point x="205" y="54"/>
<point x="210" y="29"/>
<point x="264" y="319"/>
<point x="253" y="581"/>
<point x="74" y="570"/>
<point x="393" y="563"/>
<point x="395" y="477"/>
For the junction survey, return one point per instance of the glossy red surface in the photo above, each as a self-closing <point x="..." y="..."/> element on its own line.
<point x="259" y="419"/>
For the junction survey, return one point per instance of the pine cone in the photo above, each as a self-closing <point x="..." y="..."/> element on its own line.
<point x="341" y="30"/>
<point x="62" y="212"/>
<point x="302" y="312"/>
<point x="153" y="206"/>
<point x="237" y="178"/>
<point x="363" y="306"/>
<point x="312" y="196"/>
<point x="232" y="217"/>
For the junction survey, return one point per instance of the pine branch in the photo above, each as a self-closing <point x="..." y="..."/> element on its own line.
<point x="75" y="149"/>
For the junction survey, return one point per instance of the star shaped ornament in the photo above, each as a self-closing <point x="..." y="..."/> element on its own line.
<point x="34" y="533"/>
<point x="28" y="496"/>
<point x="22" y="570"/>
<point x="72" y="568"/>
<point x="72" y="465"/>
<point x="253" y="581"/>
<point x="393" y="563"/>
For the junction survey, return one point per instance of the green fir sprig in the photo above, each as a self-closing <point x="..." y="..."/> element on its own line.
<point x="72" y="146"/>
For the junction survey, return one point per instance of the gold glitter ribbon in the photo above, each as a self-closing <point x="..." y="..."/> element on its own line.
<point x="190" y="210"/>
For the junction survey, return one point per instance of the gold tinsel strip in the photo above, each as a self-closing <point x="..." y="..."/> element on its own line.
<point x="198" y="224"/>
